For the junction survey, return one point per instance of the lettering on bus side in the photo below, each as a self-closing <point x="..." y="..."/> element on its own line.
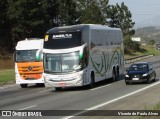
<point x="59" y="36"/>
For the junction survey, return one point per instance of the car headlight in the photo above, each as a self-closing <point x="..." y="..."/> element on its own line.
<point x="145" y="74"/>
<point x="127" y="75"/>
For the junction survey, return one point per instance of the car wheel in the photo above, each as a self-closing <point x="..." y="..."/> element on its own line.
<point x="23" y="85"/>
<point x="148" y="81"/>
<point x="127" y="83"/>
<point x="154" y="79"/>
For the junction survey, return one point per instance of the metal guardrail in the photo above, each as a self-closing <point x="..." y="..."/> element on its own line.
<point x="131" y="60"/>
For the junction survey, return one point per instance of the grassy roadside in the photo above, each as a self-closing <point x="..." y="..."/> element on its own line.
<point x="155" y="107"/>
<point x="7" y="76"/>
<point x="145" y="50"/>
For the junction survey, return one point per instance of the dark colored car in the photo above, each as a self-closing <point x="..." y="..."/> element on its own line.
<point x="140" y="72"/>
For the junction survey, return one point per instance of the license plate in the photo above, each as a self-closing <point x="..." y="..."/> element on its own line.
<point x="62" y="84"/>
<point x="30" y="77"/>
<point x="135" y="78"/>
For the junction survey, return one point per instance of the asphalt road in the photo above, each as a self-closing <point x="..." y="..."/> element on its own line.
<point x="105" y="96"/>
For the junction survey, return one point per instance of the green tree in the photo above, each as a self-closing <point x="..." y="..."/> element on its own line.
<point x="130" y="46"/>
<point x="67" y="12"/>
<point x="29" y="18"/>
<point x="121" y="17"/>
<point x="151" y="42"/>
<point x="32" y="18"/>
<point x="5" y="44"/>
<point x="103" y="4"/>
<point x="90" y="12"/>
<point x="112" y="14"/>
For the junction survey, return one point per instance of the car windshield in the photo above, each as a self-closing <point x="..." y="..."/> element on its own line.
<point x="28" y="55"/>
<point x="61" y="63"/>
<point x="139" y="67"/>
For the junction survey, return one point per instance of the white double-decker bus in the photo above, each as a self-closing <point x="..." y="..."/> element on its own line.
<point x="81" y="55"/>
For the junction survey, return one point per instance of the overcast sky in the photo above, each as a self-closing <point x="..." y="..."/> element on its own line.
<point x="141" y="9"/>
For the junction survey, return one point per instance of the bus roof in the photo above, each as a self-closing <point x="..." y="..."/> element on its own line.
<point x="80" y="27"/>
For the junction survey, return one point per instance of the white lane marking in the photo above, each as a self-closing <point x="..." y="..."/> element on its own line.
<point x="100" y="87"/>
<point x="111" y="101"/>
<point x="28" y="107"/>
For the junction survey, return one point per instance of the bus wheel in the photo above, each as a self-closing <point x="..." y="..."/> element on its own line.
<point x="113" y="76"/>
<point x="23" y="85"/>
<point x="58" y="88"/>
<point x="40" y="84"/>
<point x="91" y="85"/>
<point x="117" y="74"/>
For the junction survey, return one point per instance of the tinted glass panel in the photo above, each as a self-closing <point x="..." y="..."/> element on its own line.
<point x="139" y="67"/>
<point x="63" y="40"/>
<point x="28" y="55"/>
<point x="62" y="63"/>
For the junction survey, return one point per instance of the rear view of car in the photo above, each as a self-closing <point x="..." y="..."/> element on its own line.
<point x="140" y="72"/>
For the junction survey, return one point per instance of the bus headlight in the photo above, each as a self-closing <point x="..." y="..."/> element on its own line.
<point x="79" y="77"/>
<point x="46" y="77"/>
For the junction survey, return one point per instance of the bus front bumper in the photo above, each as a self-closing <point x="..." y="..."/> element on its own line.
<point x="62" y="82"/>
<point x="29" y="81"/>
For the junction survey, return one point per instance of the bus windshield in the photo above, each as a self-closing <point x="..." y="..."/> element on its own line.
<point x="28" y="55"/>
<point x="62" y="63"/>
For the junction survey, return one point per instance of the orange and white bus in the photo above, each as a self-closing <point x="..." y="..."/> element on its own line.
<point x="29" y="62"/>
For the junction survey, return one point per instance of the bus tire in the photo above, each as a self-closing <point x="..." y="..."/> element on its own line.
<point x="58" y="88"/>
<point x="91" y="85"/>
<point x="40" y="84"/>
<point x="114" y="76"/>
<point x="23" y="85"/>
<point x="117" y="74"/>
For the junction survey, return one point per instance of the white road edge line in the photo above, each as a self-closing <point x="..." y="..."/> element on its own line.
<point x="100" y="87"/>
<point x="111" y="101"/>
<point x="28" y="107"/>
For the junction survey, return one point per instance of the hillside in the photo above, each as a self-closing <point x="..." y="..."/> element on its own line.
<point x="148" y="33"/>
